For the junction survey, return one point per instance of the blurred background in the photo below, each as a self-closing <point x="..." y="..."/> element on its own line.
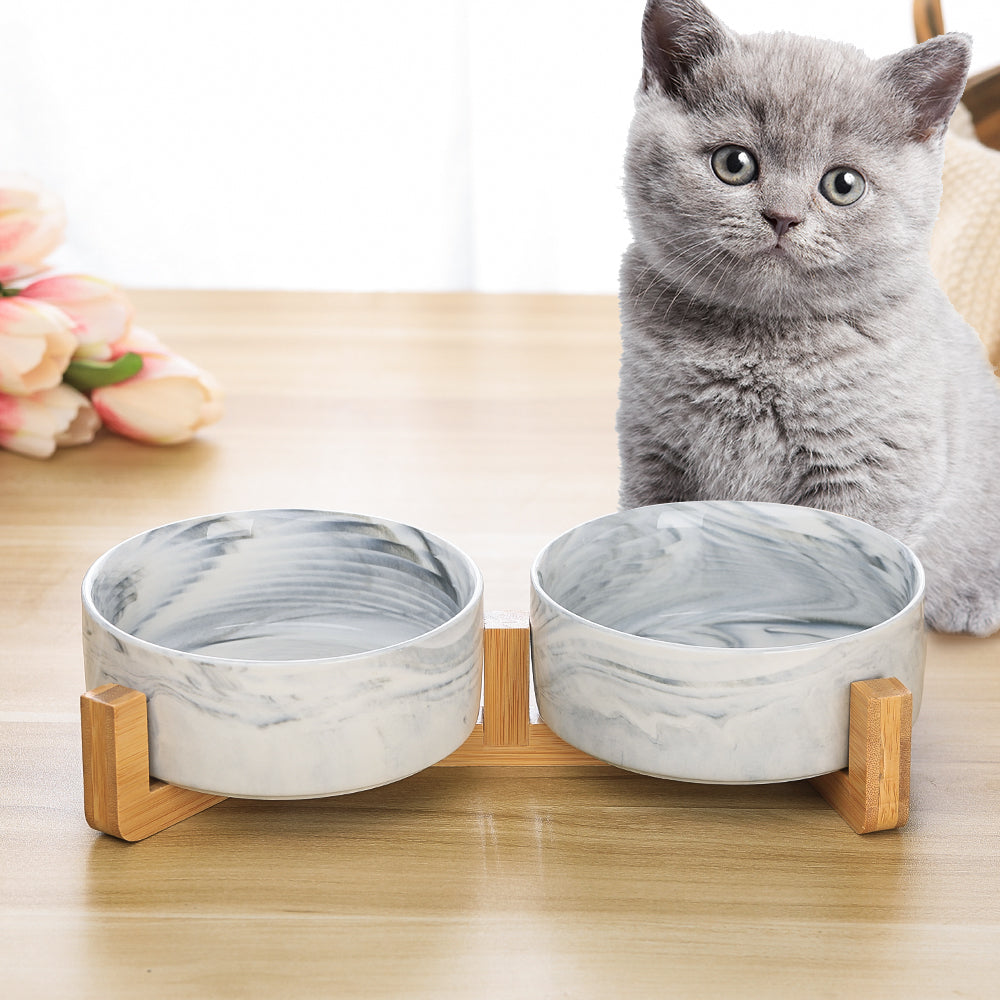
<point x="337" y="145"/>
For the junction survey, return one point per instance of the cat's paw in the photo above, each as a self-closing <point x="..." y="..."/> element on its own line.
<point x="964" y="612"/>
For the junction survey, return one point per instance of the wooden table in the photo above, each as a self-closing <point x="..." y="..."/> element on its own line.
<point x="488" y="420"/>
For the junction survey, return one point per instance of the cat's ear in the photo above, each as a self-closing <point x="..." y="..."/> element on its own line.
<point x="676" y="36"/>
<point x="931" y="77"/>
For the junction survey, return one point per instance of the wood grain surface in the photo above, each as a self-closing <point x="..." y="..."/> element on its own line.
<point x="489" y="421"/>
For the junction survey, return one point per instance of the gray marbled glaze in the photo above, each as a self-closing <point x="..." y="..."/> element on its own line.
<point x="717" y="641"/>
<point x="289" y="653"/>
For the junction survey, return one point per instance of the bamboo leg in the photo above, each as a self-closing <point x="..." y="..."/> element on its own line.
<point x="506" y="679"/>
<point x="119" y="797"/>
<point x="507" y="736"/>
<point x="874" y="792"/>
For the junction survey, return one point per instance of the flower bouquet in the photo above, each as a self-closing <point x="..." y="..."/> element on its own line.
<point x="70" y="357"/>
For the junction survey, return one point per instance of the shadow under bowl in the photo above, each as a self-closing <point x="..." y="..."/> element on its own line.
<point x="289" y="653"/>
<point x="717" y="641"/>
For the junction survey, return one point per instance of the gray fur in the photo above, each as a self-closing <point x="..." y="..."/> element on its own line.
<point x="834" y="372"/>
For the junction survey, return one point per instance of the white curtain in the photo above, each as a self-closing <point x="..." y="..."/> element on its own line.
<point x="327" y="144"/>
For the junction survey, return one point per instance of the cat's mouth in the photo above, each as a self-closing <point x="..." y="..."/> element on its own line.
<point x="780" y="256"/>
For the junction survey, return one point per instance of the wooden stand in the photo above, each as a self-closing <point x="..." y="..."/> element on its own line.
<point x="874" y="792"/>
<point x="122" y="799"/>
<point x="119" y="796"/>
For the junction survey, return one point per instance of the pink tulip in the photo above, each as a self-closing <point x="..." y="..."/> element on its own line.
<point x="36" y="344"/>
<point x="102" y="313"/>
<point x="32" y="225"/>
<point x="35" y="425"/>
<point x="166" y="403"/>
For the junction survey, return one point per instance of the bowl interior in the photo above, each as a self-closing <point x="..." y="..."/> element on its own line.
<point x="730" y="574"/>
<point x="280" y="585"/>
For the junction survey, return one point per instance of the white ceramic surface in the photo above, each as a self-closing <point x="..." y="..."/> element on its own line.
<point x="289" y="653"/>
<point x="717" y="641"/>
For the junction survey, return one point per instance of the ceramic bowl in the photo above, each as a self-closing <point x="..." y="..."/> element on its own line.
<point x="289" y="653"/>
<point x="717" y="642"/>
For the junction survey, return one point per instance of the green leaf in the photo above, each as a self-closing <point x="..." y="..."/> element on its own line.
<point x="87" y="375"/>
<point x="8" y="293"/>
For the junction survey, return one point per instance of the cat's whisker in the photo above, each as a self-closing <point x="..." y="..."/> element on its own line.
<point x="691" y="257"/>
<point x="726" y="269"/>
<point x="707" y="261"/>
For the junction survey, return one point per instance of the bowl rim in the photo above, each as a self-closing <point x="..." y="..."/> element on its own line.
<point x="316" y="662"/>
<point x="698" y="649"/>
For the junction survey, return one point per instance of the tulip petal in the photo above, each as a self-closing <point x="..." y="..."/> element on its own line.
<point x="15" y="227"/>
<point x="101" y="311"/>
<point x="36" y="344"/>
<point x="84" y="421"/>
<point x="34" y="425"/>
<point x="32" y="225"/>
<point x="144" y="342"/>
<point x="20" y="353"/>
<point x="164" y="410"/>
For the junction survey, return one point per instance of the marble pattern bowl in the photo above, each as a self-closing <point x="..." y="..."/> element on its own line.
<point x="717" y="641"/>
<point x="289" y="653"/>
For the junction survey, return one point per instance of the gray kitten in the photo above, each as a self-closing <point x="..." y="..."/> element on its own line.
<point x="783" y="338"/>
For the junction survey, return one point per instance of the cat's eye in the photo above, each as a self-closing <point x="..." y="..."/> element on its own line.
<point x="842" y="186"/>
<point x="734" y="165"/>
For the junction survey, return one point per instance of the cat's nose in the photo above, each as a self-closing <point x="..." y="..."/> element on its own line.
<point x="781" y="223"/>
